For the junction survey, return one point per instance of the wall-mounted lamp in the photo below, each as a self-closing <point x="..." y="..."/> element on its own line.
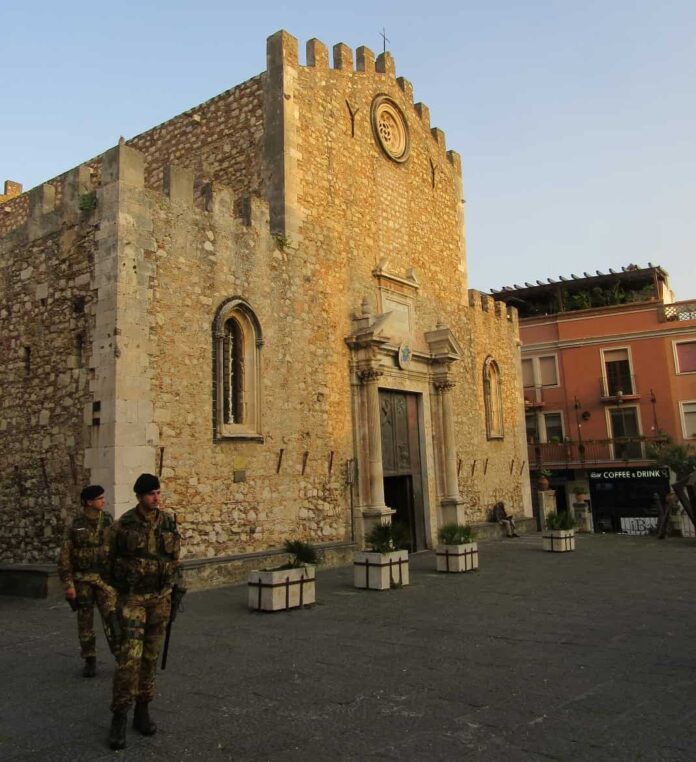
<point x="653" y="401"/>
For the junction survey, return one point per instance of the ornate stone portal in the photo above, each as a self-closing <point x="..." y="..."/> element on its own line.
<point x="376" y="344"/>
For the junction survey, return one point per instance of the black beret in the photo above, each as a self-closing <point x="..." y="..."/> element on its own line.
<point x="146" y="483"/>
<point x="91" y="493"/>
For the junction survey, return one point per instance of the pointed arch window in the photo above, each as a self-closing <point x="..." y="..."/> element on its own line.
<point x="233" y="372"/>
<point x="492" y="399"/>
<point x="237" y="372"/>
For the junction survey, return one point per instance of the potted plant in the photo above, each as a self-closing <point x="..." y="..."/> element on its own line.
<point x="559" y="536"/>
<point x="385" y="563"/>
<point x="543" y="479"/>
<point x="580" y="494"/>
<point x="291" y="585"/>
<point x="457" y="552"/>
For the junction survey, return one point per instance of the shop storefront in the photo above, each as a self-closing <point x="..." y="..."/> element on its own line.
<point x="622" y="499"/>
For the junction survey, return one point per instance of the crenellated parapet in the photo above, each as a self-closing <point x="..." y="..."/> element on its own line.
<point x="283" y="51"/>
<point x="77" y="195"/>
<point x="481" y="303"/>
<point x="44" y="209"/>
<point x="12" y="189"/>
<point x="183" y="189"/>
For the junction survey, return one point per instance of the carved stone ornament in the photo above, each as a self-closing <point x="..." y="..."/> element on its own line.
<point x="390" y="128"/>
<point x="405" y="355"/>
<point x="370" y="374"/>
<point x="443" y="385"/>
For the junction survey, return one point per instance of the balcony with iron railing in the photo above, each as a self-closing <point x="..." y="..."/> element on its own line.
<point x="578" y="454"/>
<point x="533" y="397"/>
<point x="618" y="388"/>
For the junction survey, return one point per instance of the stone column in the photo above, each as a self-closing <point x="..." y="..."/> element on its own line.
<point x="451" y="481"/>
<point x="370" y="378"/>
<point x="452" y="504"/>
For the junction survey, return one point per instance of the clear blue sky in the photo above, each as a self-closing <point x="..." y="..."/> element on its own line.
<point x="576" y="122"/>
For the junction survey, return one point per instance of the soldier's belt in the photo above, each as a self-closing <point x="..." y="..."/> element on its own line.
<point x="148" y="586"/>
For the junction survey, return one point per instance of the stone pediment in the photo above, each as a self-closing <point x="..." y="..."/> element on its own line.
<point x="371" y="331"/>
<point x="443" y="344"/>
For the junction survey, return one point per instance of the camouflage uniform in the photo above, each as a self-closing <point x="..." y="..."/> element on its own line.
<point x="144" y="564"/>
<point x="81" y="565"/>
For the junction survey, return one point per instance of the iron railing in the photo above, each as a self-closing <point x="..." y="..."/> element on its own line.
<point x="533" y="396"/>
<point x="615" y="387"/>
<point x="571" y="453"/>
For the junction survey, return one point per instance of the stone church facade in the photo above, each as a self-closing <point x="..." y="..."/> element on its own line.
<point x="264" y="300"/>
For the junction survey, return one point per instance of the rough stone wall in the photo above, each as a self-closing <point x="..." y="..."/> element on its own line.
<point x="203" y="256"/>
<point x="352" y="206"/>
<point x="346" y="207"/>
<point x="14" y="213"/>
<point x="356" y="206"/>
<point x="300" y="136"/>
<point x="46" y="325"/>
<point x="220" y="140"/>
<point x="493" y="470"/>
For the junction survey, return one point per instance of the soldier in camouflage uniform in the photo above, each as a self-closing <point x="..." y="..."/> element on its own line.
<point x="80" y="567"/>
<point x="144" y="565"/>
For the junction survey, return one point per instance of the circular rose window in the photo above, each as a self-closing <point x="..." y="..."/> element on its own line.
<point x="390" y="128"/>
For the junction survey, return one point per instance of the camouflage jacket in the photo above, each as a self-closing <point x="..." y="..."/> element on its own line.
<point x="144" y="555"/>
<point x="85" y="547"/>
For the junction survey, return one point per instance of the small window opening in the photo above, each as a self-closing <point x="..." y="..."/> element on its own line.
<point x="233" y="379"/>
<point x="79" y="349"/>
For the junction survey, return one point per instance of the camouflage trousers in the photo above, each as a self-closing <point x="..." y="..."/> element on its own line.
<point x="91" y="592"/>
<point x="143" y="622"/>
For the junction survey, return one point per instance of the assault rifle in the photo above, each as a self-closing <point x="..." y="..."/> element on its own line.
<point x="178" y="594"/>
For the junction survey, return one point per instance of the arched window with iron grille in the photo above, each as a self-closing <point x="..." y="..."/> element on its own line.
<point x="237" y="342"/>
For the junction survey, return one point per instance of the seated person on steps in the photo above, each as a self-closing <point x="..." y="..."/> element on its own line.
<point x="504" y="519"/>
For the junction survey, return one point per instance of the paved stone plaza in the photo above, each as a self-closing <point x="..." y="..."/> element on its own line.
<point x="583" y="656"/>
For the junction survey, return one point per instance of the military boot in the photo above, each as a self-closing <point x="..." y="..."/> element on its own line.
<point x="142" y="721"/>
<point x="117" y="734"/>
<point x="90" y="669"/>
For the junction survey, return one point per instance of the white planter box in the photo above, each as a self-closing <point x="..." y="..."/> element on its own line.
<point x="380" y="571"/>
<point x="457" y="558"/>
<point x="559" y="540"/>
<point x="282" y="589"/>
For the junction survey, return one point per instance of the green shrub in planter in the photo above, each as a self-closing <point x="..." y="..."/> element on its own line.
<point x="564" y="521"/>
<point x="384" y="564"/>
<point x="385" y="538"/>
<point x="289" y="586"/>
<point x="455" y="534"/>
<point x="301" y="553"/>
<point x="560" y="532"/>
<point x="458" y="551"/>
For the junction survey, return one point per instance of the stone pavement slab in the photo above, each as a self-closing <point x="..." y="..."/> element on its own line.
<point x="578" y="656"/>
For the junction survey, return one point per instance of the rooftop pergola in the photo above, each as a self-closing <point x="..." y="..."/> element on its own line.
<point x="630" y="284"/>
